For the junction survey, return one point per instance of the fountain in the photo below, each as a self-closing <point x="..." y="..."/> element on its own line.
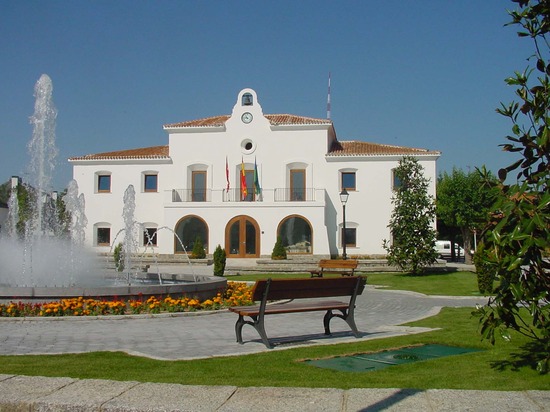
<point x="42" y="251"/>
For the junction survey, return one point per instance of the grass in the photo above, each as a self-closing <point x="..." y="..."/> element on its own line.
<point x="437" y="283"/>
<point x="495" y="368"/>
<point x="500" y="367"/>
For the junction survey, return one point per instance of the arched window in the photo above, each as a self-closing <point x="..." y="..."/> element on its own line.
<point x="187" y="231"/>
<point x="296" y="234"/>
<point x="248" y="100"/>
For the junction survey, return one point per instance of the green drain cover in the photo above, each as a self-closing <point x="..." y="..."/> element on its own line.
<point x="380" y="360"/>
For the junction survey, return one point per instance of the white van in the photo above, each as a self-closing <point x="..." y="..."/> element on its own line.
<point x="443" y="248"/>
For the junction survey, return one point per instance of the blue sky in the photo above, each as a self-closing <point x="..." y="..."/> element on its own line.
<point x="418" y="73"/>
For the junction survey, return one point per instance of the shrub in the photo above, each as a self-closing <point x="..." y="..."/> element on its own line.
<point x="279" y="252"/>
<point x="219" y="261"/>
<point x="198" y="249"/>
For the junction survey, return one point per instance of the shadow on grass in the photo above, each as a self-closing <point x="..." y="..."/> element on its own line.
<point x="532" y="353"/>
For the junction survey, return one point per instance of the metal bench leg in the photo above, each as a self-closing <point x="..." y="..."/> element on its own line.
<point x="350" y="320"/>
<point x="326" y="321"/>
<point x="346" y="315"/>
<point x="239" y="329"/>
<point x="259" y="325"/>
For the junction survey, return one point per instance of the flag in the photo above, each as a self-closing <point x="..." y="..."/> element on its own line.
<point x="244" y="191"/>
<point x="257" y="187"/>
<point x="227" y="175"/>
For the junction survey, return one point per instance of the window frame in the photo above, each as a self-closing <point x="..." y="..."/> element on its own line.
<point x="348" y="230"/>
<point x="302" y="190"/>
<point x="145" y="178"/>
<point x="344" y="186"/>
<point x="198" y="194"/>
<point x="98" y="236"/>
<point x="147" y="235"/>
<point x="100" y="178"/>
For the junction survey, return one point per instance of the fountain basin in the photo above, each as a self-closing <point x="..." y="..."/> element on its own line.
<point x="194" y="286"/>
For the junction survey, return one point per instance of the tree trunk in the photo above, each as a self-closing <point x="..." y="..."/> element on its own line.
<point x="467" y="237"/>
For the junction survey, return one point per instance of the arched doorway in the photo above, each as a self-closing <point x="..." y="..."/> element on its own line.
<point x="187" y="231"/>
<point x="296" y="234"/>
<point x="242" y="238"/>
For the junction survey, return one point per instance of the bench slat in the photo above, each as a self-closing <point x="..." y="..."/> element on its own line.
<point x="291" y="307"/>
<point x="306" y="288"/>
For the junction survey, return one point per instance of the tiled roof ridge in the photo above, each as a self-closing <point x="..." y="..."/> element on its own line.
<point x="356" y="147"/>
<point x="153" y="152"/>
<point x="274" y="119"/>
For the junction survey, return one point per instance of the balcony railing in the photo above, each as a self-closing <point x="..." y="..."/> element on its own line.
<point x="235" y="195"/>
<point x="294" y="195"/>
<point x="191" y="195"/>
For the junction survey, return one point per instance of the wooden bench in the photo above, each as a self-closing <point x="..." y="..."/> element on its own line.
<point x="343" y="267"/>
<point x="279" y="289"/>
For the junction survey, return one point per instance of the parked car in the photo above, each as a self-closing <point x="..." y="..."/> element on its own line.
<point x="443" y="248"/>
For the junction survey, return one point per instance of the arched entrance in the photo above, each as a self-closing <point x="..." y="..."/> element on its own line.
<point x="242" y="238"/>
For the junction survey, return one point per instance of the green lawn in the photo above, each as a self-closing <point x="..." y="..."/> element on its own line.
<point x="494" y="368"/>
<point x="439" y="283"/>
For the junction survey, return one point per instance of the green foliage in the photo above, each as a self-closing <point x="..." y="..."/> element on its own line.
<point x="198" y="249"/>
<point x="486" y="271"/>
<point x="518" y="234"/>
<point x="464" y="201"/>
<point x="219" y="261"/>
<point x="411" y="224"/>
<point x="279" y="252"/>
<point x="118" y="257"/>
<point x="5" y="190"/>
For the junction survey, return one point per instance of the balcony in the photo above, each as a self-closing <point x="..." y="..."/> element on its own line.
<point x="235" y="195"/>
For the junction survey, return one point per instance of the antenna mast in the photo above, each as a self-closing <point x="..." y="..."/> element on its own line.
<point x="328" y="98"/>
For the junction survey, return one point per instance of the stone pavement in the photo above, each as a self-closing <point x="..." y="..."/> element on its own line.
<point x="201" y="335"/>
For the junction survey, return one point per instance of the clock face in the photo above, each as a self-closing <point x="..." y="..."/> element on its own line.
<point x="246" y="117"/>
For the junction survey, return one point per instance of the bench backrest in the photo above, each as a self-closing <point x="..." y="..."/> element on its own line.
<point x="338" y="264"/>
<point x="308" y="288"/>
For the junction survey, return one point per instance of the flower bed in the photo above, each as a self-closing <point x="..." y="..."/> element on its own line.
<point x="236" y="294"/>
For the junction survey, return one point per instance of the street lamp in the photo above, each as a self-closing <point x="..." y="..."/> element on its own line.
<point x="344" y="199"/>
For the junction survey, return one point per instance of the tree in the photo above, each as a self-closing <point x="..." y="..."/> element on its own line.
<point x="518" y="235"/>
<point x="463" y="204"/>
<point x="411" y="223"/>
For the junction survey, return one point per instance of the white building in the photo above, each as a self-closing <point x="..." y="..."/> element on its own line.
<point x="294" y="169"/>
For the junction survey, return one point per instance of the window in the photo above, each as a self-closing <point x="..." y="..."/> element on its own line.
<point x="348" y="180"/>
<point x="187" y="231"/>
<point x="248" y="100"/>
<point x="150" y="183"/>
<point x="198" y="191"/>
<point x="250" y="189"/>
<point x="104" y="183"/>
<point x="295" y="234"/>
<point x="298" y="185"/>
<point x="396" y="181"/>
<point x="150" y="236"/>
<point x="103" y="236"/>
<point x="350" y="237"/>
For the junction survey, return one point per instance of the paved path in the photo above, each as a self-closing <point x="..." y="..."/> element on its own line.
<point x="188" y="336"/>
<point x="207" y="334"/>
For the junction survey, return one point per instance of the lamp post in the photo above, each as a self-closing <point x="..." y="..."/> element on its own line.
<point x="344" y="199"/>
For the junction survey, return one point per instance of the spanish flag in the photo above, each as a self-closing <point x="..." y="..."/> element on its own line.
<point x="244" y="191"/>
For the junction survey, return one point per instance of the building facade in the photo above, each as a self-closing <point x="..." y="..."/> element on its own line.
<point x="243" y="180"/>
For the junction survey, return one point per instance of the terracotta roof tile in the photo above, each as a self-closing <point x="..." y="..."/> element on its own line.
<point x="290" y="119"/>
<point x="355" y="148"/>
<point x="205" y="122"/>
<point x="155" y="152"/>
<point x="274" y="119"/>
